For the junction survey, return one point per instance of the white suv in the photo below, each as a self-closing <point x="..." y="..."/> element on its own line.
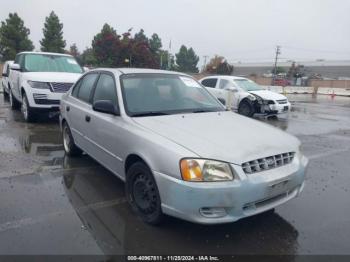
<point x="245" y="96"/>
<point x="5" y="78"/>
<point x="38" y="80"/>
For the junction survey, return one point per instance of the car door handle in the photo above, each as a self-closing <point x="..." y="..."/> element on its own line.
<point x="87" y="118"/>
<point x="67" y="108"/>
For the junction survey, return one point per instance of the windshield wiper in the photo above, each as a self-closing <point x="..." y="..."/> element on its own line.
<point x="150" y="113"/>
<point x="203" y="111"/>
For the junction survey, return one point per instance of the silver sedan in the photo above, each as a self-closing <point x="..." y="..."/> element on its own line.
<point x="177" y="149"/>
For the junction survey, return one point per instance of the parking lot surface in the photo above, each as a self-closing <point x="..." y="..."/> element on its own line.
<point x="52" y="204"/>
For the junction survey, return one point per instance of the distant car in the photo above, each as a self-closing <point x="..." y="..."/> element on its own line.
<point x="281" y="82"/>
<point x="247" y="97"/>
<point x="38" y="80"/>
<point x="158" y="131"/>
<point x="5" y="78"/>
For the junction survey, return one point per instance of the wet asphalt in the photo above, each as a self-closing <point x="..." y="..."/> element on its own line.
<point x="53" y="204"/>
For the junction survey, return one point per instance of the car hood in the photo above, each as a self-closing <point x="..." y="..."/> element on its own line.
<point x="268" y="95"/>
<point x="224" y="136"/>
<point x="52" y="77"/>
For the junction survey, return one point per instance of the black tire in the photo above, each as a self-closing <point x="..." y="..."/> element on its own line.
<point x="142" y="194"/>
<point x="6" y="95"/>
<point x="13" y="101"/>
<point x="68" y="142"/>
<point x="246" y="108"/>
<point x="27" y="112"/>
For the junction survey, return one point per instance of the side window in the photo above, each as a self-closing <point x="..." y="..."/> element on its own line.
<point x="21" y="60"/>
<point x="86" y="87"/>
<point x="76" y="88"/>
<point x="210" y="82"/>
<point x="17" y="59"/>
<point x="105" y="89"/>
<point x="224" y="83"/>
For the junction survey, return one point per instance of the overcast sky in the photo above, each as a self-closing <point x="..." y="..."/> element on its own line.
<point x="240" y="30"/>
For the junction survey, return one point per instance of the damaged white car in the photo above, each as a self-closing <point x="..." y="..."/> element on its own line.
<point x="245" y="96"/>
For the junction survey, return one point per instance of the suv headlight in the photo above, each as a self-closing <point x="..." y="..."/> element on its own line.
<point x="203" y="170"/>
<point x="39" y="85"/>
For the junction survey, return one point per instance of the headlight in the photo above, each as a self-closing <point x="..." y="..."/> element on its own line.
<point x="251" y="97"/>
<point x="202" y="170"/>
<point x="39" y="85"/>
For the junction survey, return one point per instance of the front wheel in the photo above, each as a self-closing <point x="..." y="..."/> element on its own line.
<point x="6" y="95"/>
<point x="27" y="111"/>
<point x="13" y="101"/>
<point x="142" y="193"/>
<point x="245" y="108"/>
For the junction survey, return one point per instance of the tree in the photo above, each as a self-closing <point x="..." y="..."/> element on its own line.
<point x="87" y="58"/>
<point x="53" y="35"/>
<point x="106" y="46"/>
<point x="166" y="60"/>
<point x="187" y="60"/>
<point x="73" y="50"/>
<point x="140" y="36"/>
<point x="113" y="50"/>
<point x="155" y="43"/>
<point x="14" y="37"/>
<point x="218" y="65"/>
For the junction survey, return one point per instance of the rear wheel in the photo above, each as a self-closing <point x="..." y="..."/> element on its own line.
<point x="142" y="193"/>
<point x="68" y="142"/>
<point x="245" y="108"/>
<point x="13" y="101"/>
<point x="27" y="111"/>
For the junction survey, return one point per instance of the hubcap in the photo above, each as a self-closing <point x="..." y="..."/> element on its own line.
<point x="245" y="110"/>
<point x="24" y="108"/>
<point x="145" y="195"/>
<point x="66" y="139"/>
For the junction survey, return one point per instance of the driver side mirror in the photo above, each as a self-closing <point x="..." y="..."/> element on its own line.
<point x="15" y="67"/>
<point x="106" y="106"/>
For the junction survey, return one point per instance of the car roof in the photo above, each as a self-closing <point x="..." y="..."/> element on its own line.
<point x="225" y="77"/>
<point x="45" y="53"/>
<point x="128" y="70"/>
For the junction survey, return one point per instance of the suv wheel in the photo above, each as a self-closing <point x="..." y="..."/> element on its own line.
<point x="27" y="111"/>
<point x="6" y="95"/>
<point x="142" y="193"/>
<point x="13" y="102"/>
<point x="245" y="108"/>
<point x="68" y="142"/>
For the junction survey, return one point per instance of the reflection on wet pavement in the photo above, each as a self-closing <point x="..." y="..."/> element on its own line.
<point x="53" y="204"/>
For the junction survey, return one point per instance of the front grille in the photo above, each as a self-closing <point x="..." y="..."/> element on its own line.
<point x="46" y="101"/>
<point x="60" y="87"/>
<point x="267" y="163"/>
<point x="283" y="101"/>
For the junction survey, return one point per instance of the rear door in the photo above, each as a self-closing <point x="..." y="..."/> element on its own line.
<point x="78" y="110"/>
<point x="212" y="86"/>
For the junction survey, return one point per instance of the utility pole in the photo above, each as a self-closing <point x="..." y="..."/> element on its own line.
<point x="205" y="62"/>
<point x="278" y="52"/>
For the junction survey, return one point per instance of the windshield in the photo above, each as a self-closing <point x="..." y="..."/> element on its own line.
<point x="158" y="94"/>
<point x="51" y="63"/>
<point x="247" y="85"/>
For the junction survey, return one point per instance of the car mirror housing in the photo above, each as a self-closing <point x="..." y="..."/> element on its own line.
<point x="106" y="106"/>
<point x="16" y="67"/>
<point x="4" y="75"/>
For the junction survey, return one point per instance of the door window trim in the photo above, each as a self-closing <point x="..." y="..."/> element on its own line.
<point x="114" y="81"/>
